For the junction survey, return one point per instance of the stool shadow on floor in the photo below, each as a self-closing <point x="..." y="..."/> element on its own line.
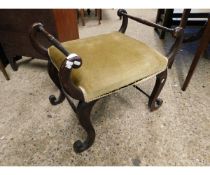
<point x="107" y="102"/>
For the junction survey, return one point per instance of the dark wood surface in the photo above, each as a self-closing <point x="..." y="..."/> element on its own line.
<point x="203" y="44"/>
<point x="66" y="24"/>
<point x="15" y="25"/>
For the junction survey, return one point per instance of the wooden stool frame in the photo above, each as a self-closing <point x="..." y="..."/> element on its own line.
<point x="67" y="88"/>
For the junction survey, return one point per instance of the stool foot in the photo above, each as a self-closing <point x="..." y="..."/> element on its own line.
<point x="154" y="101"/>
<point x="53" y="73"/>
<point x="83" y="113"/>
<point x="56" y="101"/>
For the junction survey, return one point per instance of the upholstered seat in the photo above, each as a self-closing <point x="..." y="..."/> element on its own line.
<point x="110" y="62"/>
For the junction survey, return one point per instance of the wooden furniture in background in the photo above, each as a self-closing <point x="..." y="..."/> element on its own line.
<point x="169" y="17"/>
<point x="203" y="34"/>
<point x="203" y="44"/>
<point x="82" y="16"/>
<point x="2" y="68"/>
<point x="164" y="17"/>
<point x="15" y="24"/>
<point x="98" y="14"/>
<point x="3" y="63"/>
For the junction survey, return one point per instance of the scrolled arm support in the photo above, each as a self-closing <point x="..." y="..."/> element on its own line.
<point x="33" y="37"/>
<point x="72" y="60"/>
<point x="123" y="13"/>
<point x="177" y="32"/>
<point x="124" y="25"/>
<point x="65" y="74"/>
<point x="39" y="27"/>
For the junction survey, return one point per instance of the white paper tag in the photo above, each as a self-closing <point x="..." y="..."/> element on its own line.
<point x="72" y="55"/>
<point x="68" y="64"/>
<point x="77" y="63"/>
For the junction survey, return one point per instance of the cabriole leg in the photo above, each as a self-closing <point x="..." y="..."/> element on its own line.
<point x="154" y="102"/>
<point x="53" y="73"/>
<point x="83" y="113"/>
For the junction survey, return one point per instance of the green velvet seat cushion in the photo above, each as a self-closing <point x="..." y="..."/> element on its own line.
<point x="110" y="62"/>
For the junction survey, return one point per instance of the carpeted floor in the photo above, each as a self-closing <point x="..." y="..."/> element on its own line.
<point x="33" y="132"/>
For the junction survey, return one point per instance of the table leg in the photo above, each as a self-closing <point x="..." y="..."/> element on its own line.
<point x="202" y="47"/>
<point x="2" y="68"/>
<point x="82" y="16"/>
<point x="167" y="21"/>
